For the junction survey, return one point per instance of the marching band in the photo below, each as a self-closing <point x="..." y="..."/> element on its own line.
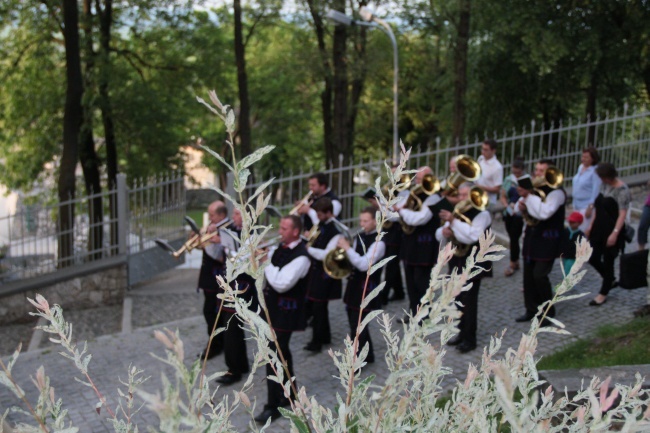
<point x="315" y="252"/>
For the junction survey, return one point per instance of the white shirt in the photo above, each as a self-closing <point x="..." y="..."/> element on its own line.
<point x="319" y="254"/>
<point x="422" y="216"/>
<point x="491" y="175"/>
<point x="543" y="210"/>
<point x="363" y="263"/>
<point x="467" y="233"/>
<point x="336" y="210"/>
<point x="217" y="250"/>
<point x="284" y="279"/>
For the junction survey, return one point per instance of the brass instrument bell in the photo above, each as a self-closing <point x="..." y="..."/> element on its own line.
<point x="467" y="170"/>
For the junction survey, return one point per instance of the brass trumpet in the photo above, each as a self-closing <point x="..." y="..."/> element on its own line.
<point x="467" y="170"/>
<point x="305" y="200"/>
<point x="552" y="178"/>
<point x="430" y="185"/>
<point x="478" y="199"/>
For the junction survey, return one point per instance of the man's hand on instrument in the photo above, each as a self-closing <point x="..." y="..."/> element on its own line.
<point x="446" y="232"/>
<point x="343" y="243"/>
<point x="523" y="192"/>
<point x="445" y="215"/>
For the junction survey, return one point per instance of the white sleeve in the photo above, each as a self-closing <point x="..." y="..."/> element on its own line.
<point x="320" y="254"/>
<point x="470" y="233"/>
<point x="313" y="216"/>
<point x="214" y="250"/>
<point x="362" y="263"/>
<point x="439" y="236"/>
<point x="283" y="279"/>
<point x="543" y="210"/>
<point x="337" y="206"/>
<point x="416" y="218"/>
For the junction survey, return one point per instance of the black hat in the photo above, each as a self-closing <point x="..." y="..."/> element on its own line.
<point x="369" y="193"/>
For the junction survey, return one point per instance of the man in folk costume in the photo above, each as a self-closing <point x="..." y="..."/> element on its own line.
<point x="464" y="232"/>
<point x="213" y="265"/>
<point x="322" y="287"/>
<point x="541" y="242"/>
<point x="319" y="187"/>
<point x="419" y="249"/>
<point x="286" y="287"/>
<point x="362" y="254"/>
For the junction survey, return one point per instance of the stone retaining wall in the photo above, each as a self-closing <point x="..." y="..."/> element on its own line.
<point x="100" y="288"/>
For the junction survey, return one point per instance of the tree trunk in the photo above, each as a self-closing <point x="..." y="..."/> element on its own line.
<point x="72" y="119"/>
<point x="460" y="70"/>
<point x="105" y="23"/>
<point x="87" y="155"/>
<point x="242" y="82"/>
<point x="326" y="94"/>
<point x="592" y="93"/>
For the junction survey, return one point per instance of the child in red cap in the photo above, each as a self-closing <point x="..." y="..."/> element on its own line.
<point x="569" y="239"/>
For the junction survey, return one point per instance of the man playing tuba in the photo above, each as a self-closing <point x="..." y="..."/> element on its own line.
<point x="541" y="241"/>
<point x="464" y="227"/>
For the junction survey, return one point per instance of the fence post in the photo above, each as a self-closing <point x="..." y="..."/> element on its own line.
<point x="230" y="190"/>
<point x="122" y="214"/>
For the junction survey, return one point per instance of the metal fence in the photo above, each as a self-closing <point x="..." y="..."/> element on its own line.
<point x="131" y="218"/>
<point x="622" y="139"/>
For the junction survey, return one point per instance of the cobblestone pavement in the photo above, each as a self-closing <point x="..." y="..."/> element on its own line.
<point x="171" y="301"/>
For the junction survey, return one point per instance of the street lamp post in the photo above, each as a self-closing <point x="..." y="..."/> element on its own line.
<point x="373" y="21"/>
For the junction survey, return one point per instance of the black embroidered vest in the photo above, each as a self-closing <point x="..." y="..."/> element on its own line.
<point x="420" y="248"/>
<point x="287" y="309"/>
<point x="542" y="241"/>
<point x="357" y="279"/>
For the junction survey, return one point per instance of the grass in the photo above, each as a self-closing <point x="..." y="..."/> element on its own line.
<point x="627" y="344"/>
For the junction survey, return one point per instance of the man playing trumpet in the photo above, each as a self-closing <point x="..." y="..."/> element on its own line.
<point x="362" y="254"/>
<point x="464" y="227"/>
<point x="319" y="187"/>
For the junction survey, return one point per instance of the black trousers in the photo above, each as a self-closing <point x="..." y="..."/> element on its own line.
<point x="235" y="345"/>
<point x="537" y="285"/>
<point x="514" y="227"/>
<point x="602" y="259"/>
<point x="469" y="308"/>
<point x="393" y="275"/>
<point x="417" y="283"/>
<point x="210" y="310"/>
<point x="364" y="336"/>
<point x="275" y="393"/>
<point x="321" y="323"/>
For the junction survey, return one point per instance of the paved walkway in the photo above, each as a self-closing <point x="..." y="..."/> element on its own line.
<point x="171" y="301"/>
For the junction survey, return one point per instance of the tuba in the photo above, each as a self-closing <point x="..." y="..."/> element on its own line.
<point x="336" y="263"/>
<point x="478" y="199"/>
<point x="430" y="185"/>
<point x="552" y="178"/>
<point x="467" y="170"/>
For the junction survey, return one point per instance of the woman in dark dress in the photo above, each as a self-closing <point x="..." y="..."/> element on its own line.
<point x="606" y="231"/>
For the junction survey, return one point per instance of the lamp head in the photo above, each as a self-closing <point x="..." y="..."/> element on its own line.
<point x="339" y="17"/>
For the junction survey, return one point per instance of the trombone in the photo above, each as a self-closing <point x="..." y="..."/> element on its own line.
<point x="552" y="178"/>
<point x="305" y="201"/>
<point x="198" y="240"/>
<point x="478" y="199"/>
<point x="429" y="186"/>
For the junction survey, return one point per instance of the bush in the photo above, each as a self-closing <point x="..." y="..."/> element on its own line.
<point x="502" y="394"/>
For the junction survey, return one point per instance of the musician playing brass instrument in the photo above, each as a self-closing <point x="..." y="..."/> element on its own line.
<point x="419" y="248"/>
<point x="319" y="187"/>
<point x="361" y="260"/>
<point x="464" y="227"/>
<point x="322" y="287"/>
<point x="541" y="240"/>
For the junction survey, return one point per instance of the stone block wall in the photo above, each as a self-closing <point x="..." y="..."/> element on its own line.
<point x="101" y="288"/>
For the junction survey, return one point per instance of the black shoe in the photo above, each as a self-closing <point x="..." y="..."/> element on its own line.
<point x="455" y="341"/>
<point x="313" y="347"/>
<point x="213" y="353"/>
<point x="525" y="318"/>
<point x="614" y="284"/>
<point x="370" y="359"/>
<point x="229" y="379"/>
<point x="266" y="414"/>
<point x="466" y="346"/>
<point x="594" y="303"/>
